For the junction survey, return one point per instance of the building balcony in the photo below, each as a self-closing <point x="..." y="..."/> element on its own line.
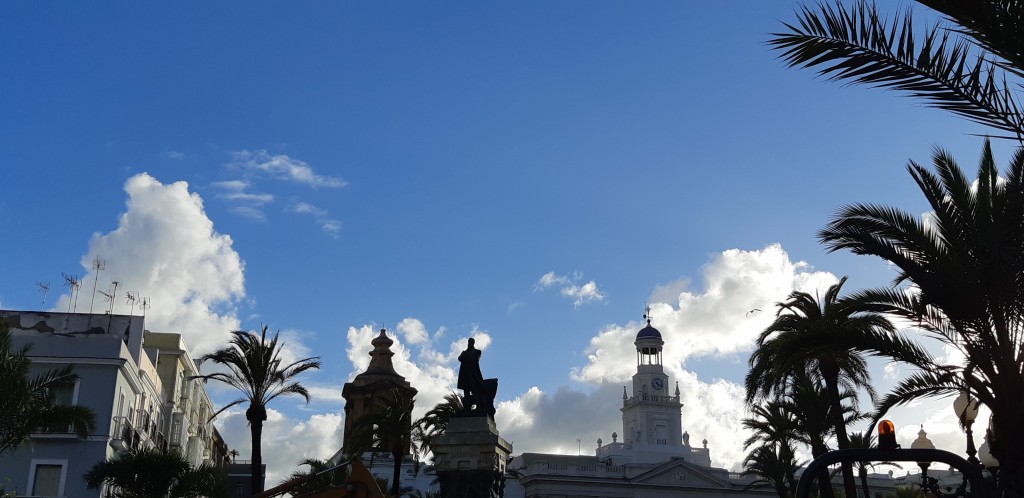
<point x="126" y="437"/>
<point x="613" y="450"/>
<point x="180" y="430"/>
<point x="649" y="399"/>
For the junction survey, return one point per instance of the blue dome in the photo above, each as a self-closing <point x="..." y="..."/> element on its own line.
<point x="648" y="331"/>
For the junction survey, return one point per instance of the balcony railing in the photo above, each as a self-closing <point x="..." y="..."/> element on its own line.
<point x="649" y="399"/>
<point x="126" y="438"/>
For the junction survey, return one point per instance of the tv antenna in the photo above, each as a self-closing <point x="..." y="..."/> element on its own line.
<point x="44" y="287"/>
<point x="72" y="282"/>
<point x="110" y="297"/>
<point x="132" y="296"/>
<point x="145" y="305"/>
<point x="98" y="265"/>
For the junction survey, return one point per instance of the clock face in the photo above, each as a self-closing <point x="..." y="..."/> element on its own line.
<point x="657" y="384"/>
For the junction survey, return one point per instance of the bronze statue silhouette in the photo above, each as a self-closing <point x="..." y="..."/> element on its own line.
<point x="477" y="393"/>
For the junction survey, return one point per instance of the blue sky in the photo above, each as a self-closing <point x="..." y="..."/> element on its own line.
<point x="423" y="166"/>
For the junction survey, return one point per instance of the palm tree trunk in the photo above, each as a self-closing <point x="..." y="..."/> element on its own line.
<point x="256" y="414"/>
<point x="824" y="482"/>
<point x="397" y="474"/>
<point x="781" y="490"/>
<point x="864" y="482"/>
<point x="831" y="375"/>
<point x="1005" y="443"/>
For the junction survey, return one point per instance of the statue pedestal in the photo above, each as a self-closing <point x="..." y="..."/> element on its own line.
<point x="470" y="459"/>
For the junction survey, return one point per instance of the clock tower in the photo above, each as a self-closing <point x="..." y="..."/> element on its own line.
<point x="651" y="417"/>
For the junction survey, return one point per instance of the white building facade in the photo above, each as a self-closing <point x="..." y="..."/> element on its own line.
<point x="652" y="429"/>
<point x="654" y="458"/>
<point x="136" y="382"/>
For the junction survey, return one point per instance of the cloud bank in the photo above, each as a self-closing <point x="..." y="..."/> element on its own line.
<point x="166" y="249"/>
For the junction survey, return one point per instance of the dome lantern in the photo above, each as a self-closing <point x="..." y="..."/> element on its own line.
<point x="648" y="343"/>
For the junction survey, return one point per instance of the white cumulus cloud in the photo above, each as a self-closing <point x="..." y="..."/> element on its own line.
<point x="286" y="440"/>
<point x="166" y="249"/>
<point x="715" y="321"/>
<point x="570" y="287"/>
<point x="427" y="363"/>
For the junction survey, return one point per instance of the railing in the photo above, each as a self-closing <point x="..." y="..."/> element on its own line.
<point x="613" y="449"/>
<point x="125" y="436"/>
<point x="183" y="404"/>
<point x="650" y="398"/>
<point x="142" y="420"/>
<point x="160" y="441"/>
<point x="971" y="473"/>
<point x="573" y="469"/>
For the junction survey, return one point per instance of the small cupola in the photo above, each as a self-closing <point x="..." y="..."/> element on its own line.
<point x="648" y="343"/>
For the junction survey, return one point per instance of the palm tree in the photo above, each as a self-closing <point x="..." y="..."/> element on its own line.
<point x="775" y="427"/>
<point x="387" y="428"/>
<point x="966" y="266"/>
<point x="911" y="491"/>
<point x="796" y="340"/>
<point x="30" y="405"/>
<point x="963" y="69"/>
<point x="771" y="423"/>
<point x="866" y="440"/>
<point x="151" y="473"/>
<point x="254" y="367"/>
<point x="324" y="476"/>
<point x="435" y="422"/>
<point x="775" y="465"/>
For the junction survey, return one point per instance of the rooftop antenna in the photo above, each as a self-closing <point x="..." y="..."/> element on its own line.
<point x="144" y="306"/>
<point x="110" y="297"/>
<point x="72" y="282"/>
<point x="44" y="287"/>
<point x="132" y="296"/>
<point x="98" y="265"/>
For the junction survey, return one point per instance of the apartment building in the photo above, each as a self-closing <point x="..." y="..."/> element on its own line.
<point x="139" y="383"/>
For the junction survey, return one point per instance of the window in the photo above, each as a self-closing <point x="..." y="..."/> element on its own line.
<point x="46" y="477"/>
<point x="62" y="394"/>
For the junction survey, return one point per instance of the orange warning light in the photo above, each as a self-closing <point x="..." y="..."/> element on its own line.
<point x="887" y="435"/>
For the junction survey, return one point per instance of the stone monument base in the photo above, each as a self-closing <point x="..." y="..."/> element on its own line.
<point x="470" y="458"/>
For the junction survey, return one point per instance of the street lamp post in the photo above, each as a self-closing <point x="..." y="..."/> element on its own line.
<point x="990" y="462"/>
<point x="922" y="443"/>
<point x="966" y="409"/>
<point x="931" y="484"/>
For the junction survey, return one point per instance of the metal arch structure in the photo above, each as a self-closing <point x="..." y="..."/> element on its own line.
<point x="972" y="473"/>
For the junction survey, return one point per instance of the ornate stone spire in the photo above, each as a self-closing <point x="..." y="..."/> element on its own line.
<point x="380" y="357"/>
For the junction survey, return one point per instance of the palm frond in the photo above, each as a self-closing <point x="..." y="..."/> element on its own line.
<point x="943" y="68"/>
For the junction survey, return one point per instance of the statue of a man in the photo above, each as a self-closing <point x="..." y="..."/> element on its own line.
<point x="471" y="381"/>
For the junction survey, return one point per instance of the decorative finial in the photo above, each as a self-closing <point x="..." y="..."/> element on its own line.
<point x="623" y="392"/>
<point x="647" y="312"/>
